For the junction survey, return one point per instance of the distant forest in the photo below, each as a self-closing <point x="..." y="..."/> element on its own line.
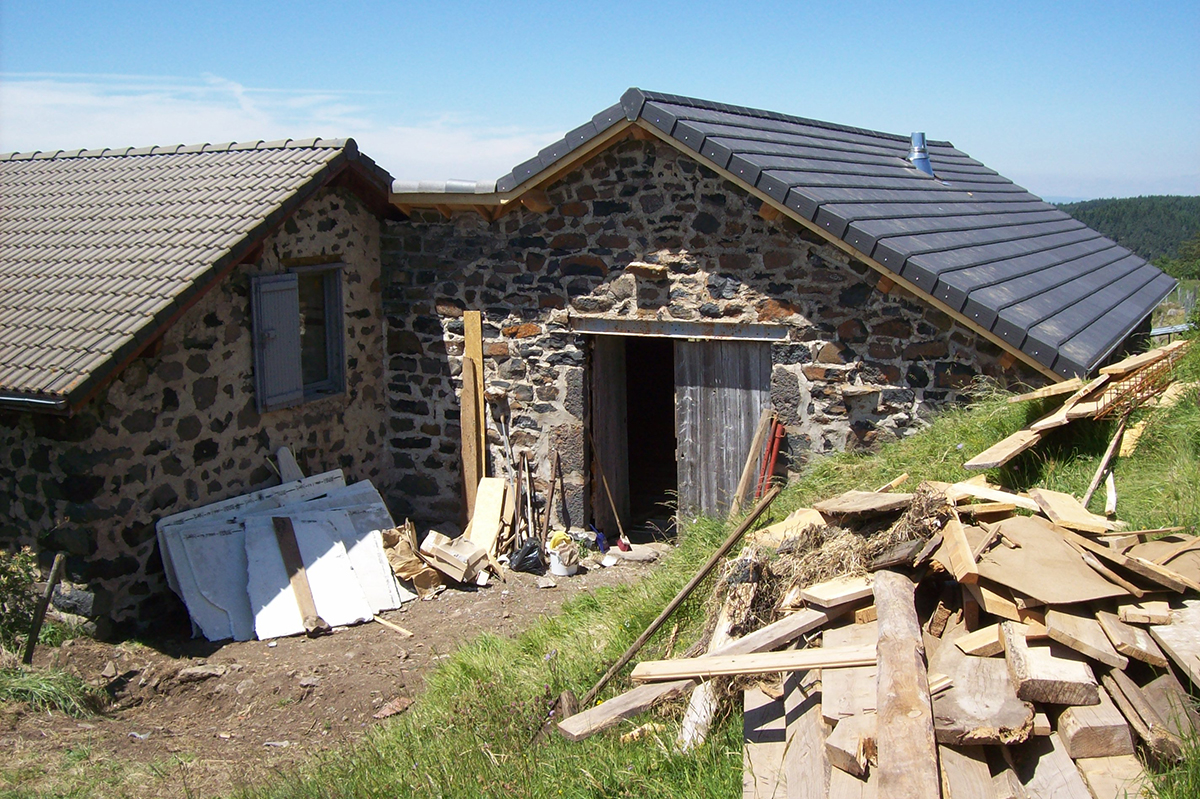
<point x="1162" y="229"/>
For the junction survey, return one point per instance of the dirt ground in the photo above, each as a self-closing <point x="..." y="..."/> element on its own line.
<point x="192" y="718"/>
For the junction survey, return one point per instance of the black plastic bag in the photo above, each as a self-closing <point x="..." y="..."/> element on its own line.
<point x="528" y="558"/>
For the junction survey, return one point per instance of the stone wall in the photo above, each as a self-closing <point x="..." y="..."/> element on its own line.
<point x="180" y="429"/>
<point x="642" y="231"/>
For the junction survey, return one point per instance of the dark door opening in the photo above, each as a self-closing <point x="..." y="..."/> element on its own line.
<point x="650" y="403"/>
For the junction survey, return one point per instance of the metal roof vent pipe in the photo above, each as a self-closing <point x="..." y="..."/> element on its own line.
<point x="919" y="156"/>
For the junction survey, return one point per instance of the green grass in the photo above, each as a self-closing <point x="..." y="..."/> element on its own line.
<point x="49" y="689"/>
<point x="472" y="733"/>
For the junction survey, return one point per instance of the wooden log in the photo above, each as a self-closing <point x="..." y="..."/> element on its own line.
<point x="1181" y="639"/>
<point x="1046" y="770"/>
<point x="683" y="594"/>
<point x="593" y="719"/>
<point x="1095" y="730"/>
<point x="1066" y="511"/>
<point x="39" y="610"/>
<point x="753" y="664"/>
<point x="908" y="764"/>
<point x="965" y="773"/>
<point x="849" y="692"/>
<point x="864" y="503"/>
<point x="293" y="563"/>
<point x="851" y="745"/>
<point x="1044" y="673"/>
<point x="981" y="707"/>
<point x="1118" y="777"/>
<point x="289" y="470"/>
<point x="838" y="591"/>
<point x="1133" y="642"/>
<point x="1083" y="634"/>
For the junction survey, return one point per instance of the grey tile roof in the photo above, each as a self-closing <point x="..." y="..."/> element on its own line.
<point x="1017" y="267"/>
<point x="99" y="248"/>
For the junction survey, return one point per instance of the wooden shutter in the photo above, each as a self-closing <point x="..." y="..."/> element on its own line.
<point x="278" y="381"/>
<point x="721" y="388"/>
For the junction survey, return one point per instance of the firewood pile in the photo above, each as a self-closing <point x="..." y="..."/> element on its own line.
<point x="961" y="640"/>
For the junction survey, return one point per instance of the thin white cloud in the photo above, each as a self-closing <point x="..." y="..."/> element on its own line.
<point x="52" y="111"/>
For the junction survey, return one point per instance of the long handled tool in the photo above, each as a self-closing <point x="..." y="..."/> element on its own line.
<point x="604" y="480"/>
<point x="683" y="594"/>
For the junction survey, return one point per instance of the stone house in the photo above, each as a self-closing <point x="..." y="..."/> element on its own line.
<point x="649" y="284"/>
<point x="169" y="317"/>
<point x="663" y="272"/>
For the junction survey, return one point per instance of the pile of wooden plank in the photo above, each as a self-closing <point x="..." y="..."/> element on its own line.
<point x="1026" y="648"/>
<point x="1119" y="389"/>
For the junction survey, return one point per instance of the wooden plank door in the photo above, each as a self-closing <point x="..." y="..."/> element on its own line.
<point x="609" y="415"/>
<point x="721" y="388"/>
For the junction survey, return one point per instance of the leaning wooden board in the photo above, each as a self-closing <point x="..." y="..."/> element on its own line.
<point x="1181" y="638"/>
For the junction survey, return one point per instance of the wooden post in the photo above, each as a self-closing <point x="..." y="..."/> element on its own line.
<point x="473" y="351"/>
<point x="907" y="751"/>
<point x="1104" y="462"/>
<point x="39" y="612"/>
<point x="683" y="594"/>
<point x="293" y="564"/>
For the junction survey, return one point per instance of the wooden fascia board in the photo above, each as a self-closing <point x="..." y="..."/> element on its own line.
<point x="841" y="245"/>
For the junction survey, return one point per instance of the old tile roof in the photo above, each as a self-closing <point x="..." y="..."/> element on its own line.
<point x="100" y="248"/>
<point x="1016" y="268"/>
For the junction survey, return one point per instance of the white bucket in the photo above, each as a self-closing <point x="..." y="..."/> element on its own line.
<point x="557" y="567"/>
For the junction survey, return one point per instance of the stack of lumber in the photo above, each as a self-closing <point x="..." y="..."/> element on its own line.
<point x="1017" y="649"/>
<point x="1118" y="389"/>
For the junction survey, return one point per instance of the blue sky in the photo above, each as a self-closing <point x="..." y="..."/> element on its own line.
<point x="1070" y="100"/>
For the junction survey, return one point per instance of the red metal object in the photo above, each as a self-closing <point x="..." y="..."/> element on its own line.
<point x="770" y="456"/>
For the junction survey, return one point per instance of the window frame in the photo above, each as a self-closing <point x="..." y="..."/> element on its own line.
<point x="335" y="331"/>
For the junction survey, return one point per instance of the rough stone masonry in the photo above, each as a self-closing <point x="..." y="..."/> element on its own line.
<point x="642" y="231"/>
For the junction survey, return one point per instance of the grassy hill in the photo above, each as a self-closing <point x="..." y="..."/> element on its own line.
<point x="1152" y="227"/>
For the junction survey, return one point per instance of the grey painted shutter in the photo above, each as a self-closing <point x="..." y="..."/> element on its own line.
<point x="721" y="388"/>
<point x="278" y="381"/>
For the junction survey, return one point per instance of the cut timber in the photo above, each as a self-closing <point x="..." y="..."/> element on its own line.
<point x="864" y="503"/>
<point x="960" y="490"/>
<point x="1041" y="724"/>
<point x="846" y="786"/>
<point x="849" y="692"/>
<point x="1066" y="511"/>
<point x="485" y="517"/>
<point x="795" y="523"/>
<point x="1046" y="673"/>
<point x="1102" y="469"/>
<point x="984" y="642"/>
<point x="1007" y="785"/>
<point x="1150" y="727"/>
<point x="469" y="416"/>
<point x="1084" y="634"/>
<point x="804" y="763"/>
<point x="1099" y="568"/>
<point x="1152" y="612"/>
<point x="832" y="593"/>
<point x="986" y="509"/>
<point x="473" y="352"/>
<point x="1135" y="362"/>
<point x="1181" y="639"/>
<point x="702" y="705"/>
<point x="895" y="482"/>
<point x="1119" y="777"/>
<point x="1142" y="568"/>
<point x="764" y="745"/>
<point x="601" y="717"/>
<point x="289" y="470"/>
<point x="1047" y="772"/>
<point x="1052" y="390"/>
<point x="981" y="707"/>
<point x="865" y="615"/>
<point x="1095" y="730"/>
<point x="1110" y="494"/>
<point x="997" y="600"/>
<point x="965" y="773"/>
<point x="717" y="556"/>
<point x="957" y="551"/>
<point x="1004" y="450"/>
<point x="1130" y="641"/>
<point x="759" y="663"/>
<point x="907" y="750"/>
<point x="1059" y="417"/>
<point x="289" y="548"/>
<point x="752" y="458"/>
<point x="851" y="745"/>
<point x="1166" y="695"/>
